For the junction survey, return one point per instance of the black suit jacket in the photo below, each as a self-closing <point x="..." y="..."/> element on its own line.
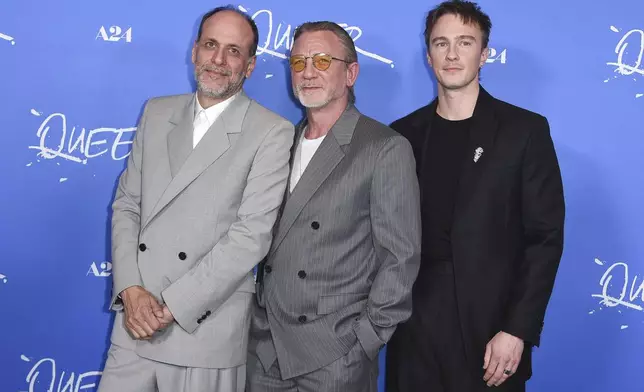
<point x="507" y="233"/>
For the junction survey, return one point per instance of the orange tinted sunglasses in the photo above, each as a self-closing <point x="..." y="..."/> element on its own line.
<point x="321" y="61"/>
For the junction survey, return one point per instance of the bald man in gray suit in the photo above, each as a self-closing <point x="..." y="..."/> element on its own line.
<point x="193" y="215"/>
<point x="338" y="278"/>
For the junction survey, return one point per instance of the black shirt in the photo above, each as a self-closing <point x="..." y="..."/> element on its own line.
<point x="446" y="152"/>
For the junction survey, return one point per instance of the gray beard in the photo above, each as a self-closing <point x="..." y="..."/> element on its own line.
<point x="223" y="92"/>
<point x="309" y="104"/>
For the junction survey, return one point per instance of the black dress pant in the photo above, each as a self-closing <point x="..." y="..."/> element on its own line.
<point x="427" y="352"/>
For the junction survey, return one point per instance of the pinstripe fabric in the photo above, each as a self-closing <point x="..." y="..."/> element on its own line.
<point x="345" y="253"/>
<point x="349" y="373"/>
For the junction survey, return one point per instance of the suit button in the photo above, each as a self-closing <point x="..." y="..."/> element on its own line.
<point x="142" y="247"/>
<point x="208" y="313"/>
<point x="301" y="319"/>
<point x="301" y="274"/>
<point x="315" y="225"/>
<point x="182" y="255"/>
<point x="268" y="269"/>
<point x="199" y="321"/>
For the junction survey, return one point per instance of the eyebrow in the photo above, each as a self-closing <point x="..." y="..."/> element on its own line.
<point x="207" y="39"/>
<point x="458" y="37"/>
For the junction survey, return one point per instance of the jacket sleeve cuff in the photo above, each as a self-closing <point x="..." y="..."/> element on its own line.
<point x="371" y="343"/>
<point x="182" y="303"/>
<point x="524" y="333"/>
<point x="116" y="303"/>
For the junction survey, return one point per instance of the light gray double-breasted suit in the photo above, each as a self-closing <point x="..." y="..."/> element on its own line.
<point x="189" y="225"/>
<point x="338" y="278"/>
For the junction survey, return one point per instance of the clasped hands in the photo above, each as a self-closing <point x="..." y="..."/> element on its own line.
<point x="143" y="313"/>
<point x="144" y="316"/>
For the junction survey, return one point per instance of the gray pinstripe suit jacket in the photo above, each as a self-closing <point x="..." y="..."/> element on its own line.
<point x="346" y="251"/>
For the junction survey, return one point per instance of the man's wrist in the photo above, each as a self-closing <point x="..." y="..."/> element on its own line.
<point x="120" y="296"/>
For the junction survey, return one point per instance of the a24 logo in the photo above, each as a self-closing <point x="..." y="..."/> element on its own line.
<point x="114" y="34"/>
<point x="493" y="57"/>
<point x="101" y="270"/>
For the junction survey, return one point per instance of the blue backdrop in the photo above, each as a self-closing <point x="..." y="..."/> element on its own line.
<point x="74" y="76"/>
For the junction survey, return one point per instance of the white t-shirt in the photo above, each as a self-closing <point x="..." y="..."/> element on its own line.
<point x="303" y="155"/>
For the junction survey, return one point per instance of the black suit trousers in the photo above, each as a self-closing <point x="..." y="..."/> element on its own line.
<point x="427" y="352"/>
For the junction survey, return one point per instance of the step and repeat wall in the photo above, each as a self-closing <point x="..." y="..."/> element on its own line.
<point x="74" y="76"/>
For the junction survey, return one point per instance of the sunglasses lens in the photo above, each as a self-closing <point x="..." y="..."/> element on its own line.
<point x="297" y="64"/>
<point x="322" y="62"/>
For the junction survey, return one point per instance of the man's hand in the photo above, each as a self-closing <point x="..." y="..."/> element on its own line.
<point x="142" y="312"/>
<point x="502" y="356"/>
<point x="167" y="317"/>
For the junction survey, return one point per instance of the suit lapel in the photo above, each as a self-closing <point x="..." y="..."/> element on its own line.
<point x="325" y="159"/>
<point x="179" y="140"/>
<point x="187" y="164"/>
<point x="425" y="128"/>
<point x="481" y="137"/>
<point x="287" y="192"/>
<point x="299" y="129"/>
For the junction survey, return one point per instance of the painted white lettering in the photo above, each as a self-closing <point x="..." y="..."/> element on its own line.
<point x="79" y="145"/>
<point x="627" y="293"/>
<point x="634" y="38"/>
<point x="282" y="37"/>
<point x="7" y="38"/>
<point x="43" y="377"/>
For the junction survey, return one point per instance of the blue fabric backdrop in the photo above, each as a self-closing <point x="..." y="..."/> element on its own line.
<point x="75" y="74"/>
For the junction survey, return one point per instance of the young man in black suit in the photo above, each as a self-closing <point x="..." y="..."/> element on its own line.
<point x="493" y="223"/>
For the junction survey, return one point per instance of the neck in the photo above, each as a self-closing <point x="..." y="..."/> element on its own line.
<point x="320" y="120"/>
<point x="206" y="101"/>
<point x="458" y="104"/>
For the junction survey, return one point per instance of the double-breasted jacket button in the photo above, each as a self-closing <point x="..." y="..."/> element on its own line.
<point x="182" y="255"/>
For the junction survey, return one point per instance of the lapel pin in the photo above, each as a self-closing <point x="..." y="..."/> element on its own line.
<point x="477" y="154"/>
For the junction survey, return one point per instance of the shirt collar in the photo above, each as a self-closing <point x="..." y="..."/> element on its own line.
<point x="215" y="110"/>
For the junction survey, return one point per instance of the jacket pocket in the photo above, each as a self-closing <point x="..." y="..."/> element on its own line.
<point x="328" y="304"/>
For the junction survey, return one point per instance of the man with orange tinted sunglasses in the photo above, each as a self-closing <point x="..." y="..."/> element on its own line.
<point x="346" y="248"/>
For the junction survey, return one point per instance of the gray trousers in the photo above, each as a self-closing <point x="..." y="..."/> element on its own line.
<point x="354" y="372"/>
<point x="125" y="371"/>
